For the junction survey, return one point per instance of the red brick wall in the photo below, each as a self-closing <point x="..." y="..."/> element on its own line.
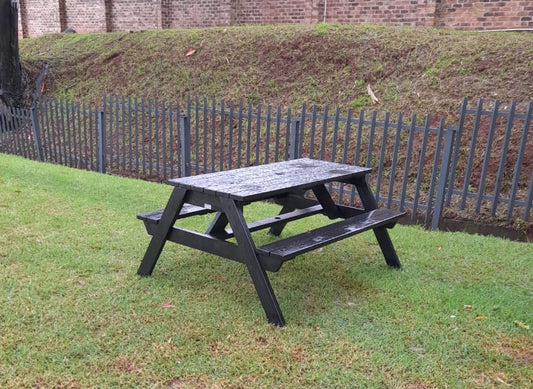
<point x="45" y="16"/>
<point x="275" y="11"/>
<point x="196" y="13"/>
<point x="39" y="17"/>
<point x="85" y="16"/>
<point x="394" y="13"/>
<point x="134" y="15"/>
<point x="484" y="14"/>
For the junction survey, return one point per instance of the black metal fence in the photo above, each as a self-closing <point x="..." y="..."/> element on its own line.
<point x="483" y="164"/>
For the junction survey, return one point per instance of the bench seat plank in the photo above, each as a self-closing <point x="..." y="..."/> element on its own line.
<point x="153" y="217"/>
<point x="288" y="248"/>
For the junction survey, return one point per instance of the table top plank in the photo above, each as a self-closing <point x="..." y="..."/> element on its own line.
<point x="264" y="181"/>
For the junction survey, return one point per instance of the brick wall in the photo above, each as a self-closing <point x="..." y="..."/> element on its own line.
<point x="39" y="17"/>
<point x="394" y="13"/>
<point x="46" y="16"/>
<point x="85" y="16"/>
<point x="484" y="14"/>
<point x="196" y="13"/>
<point x="134" y="15"/>
<point x="276" y="11"/>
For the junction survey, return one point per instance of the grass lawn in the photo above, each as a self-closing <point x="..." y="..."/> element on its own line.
<point x="73" y="312"/>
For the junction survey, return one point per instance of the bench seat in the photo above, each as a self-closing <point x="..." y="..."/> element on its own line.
<point x="153" y="217"/>
<point x="288" y="248"/>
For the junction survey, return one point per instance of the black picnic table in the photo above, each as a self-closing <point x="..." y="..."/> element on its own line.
<point x="288" y="184"/>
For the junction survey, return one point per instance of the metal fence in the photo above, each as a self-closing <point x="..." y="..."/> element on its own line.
<point x="483" y="164"/>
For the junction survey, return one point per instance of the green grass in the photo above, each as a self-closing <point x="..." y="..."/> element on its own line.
<point x="73" y="312"/>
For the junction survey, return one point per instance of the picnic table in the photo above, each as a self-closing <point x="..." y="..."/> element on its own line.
<point x="299" y="186"/>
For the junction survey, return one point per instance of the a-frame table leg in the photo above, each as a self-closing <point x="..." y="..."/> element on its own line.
<point x="170" y="214"/>
<point x="381" y="233"/>
<point x="255" y="269"/>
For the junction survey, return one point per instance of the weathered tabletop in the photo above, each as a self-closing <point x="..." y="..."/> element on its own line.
<point x="264" y="181"/>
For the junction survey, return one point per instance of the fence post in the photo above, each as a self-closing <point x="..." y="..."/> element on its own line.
<point x="185" y="146"/>
<point x="101" y="152"/>
<point x="294" y="139"/>
<point x="37" y="134"/>
<point x="443" y="177"/>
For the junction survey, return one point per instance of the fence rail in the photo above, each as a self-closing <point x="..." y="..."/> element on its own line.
<point x="481" y="165"/>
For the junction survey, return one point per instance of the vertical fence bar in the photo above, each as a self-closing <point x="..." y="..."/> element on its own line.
<point x="37" y="134"/>
<point x="79" y="131"/>
<point x="344" y="158"/>
<point x="230" y="137"/>
<point x="248" y="133"/>
<point x="412" y="129"/>
<point x="312" y="132"/>
<point x="222" y="135"/>
<point x="434" y="172"/>
<point x="457" y="148"/>
<point x="287" y="135"/>
<point x="470" y="162"/>
<point x="486" y="158"/>
<point x="382" y="156"/>
<point x="43" y="130"/>
<point x="333" y="157"/>
<point x="171" y="137"/>
<point x="294" y="135"/>
<point x="518" y="166"/>
<point x="157" y="137"/>
<point x="392" y="177"/>
<point x="371" y="139"/>
<point x="213" y="134"/>
<point x="267" y="134"/>
<point x="420" y="172"/>
<point x="123" y="130"/>
<point x="239" y="135"/>
<point x="185" y="147"/>
<point x="164" y="139"/>
<point x="322" y="155"/>
<point x="83" y="136"/>
<point x="90" y="146"/>
<point x="443" y="178"/>
<point x="101" y="142"/>
<point x="75" y="133"/>
<point x="503" y="157"/>
<point x="258" y="135"/>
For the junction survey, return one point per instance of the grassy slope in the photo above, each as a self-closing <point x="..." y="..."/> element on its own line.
<point x="74" y="313"/>
<point x="410" y="70"/>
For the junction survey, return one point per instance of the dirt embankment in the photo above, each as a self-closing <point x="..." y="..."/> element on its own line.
<point x="409" y="70"/>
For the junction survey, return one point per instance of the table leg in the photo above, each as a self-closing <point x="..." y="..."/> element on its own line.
<point x="159" y="238"/>
<point x="277" y="229"/>
<point x="324" y="198"/>
<point x="381" y="233"/>
<point x="218" y="225"/>
<point x="255" y="269"/>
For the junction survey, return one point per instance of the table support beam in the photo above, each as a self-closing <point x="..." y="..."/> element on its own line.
<point x="170" y="214"/>
<point x="248" y="253"/>
<point x="381" y="233"/>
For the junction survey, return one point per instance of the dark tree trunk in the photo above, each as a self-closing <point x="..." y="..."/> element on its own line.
<point x="11" y="76"/>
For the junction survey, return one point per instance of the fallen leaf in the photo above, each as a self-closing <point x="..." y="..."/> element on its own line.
<point x="168" y="305"/>
<point x="190" y="52"/>
<point x="481" y="317"/>
<point x="521" y="325"/>
<point x="372" y="95"/>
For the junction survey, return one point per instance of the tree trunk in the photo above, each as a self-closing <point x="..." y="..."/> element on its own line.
<point x="11" y="84"/>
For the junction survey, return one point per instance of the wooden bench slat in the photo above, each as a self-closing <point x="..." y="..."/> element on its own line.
<point x="153" y="217"/>
<point x="288" y="248"/>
